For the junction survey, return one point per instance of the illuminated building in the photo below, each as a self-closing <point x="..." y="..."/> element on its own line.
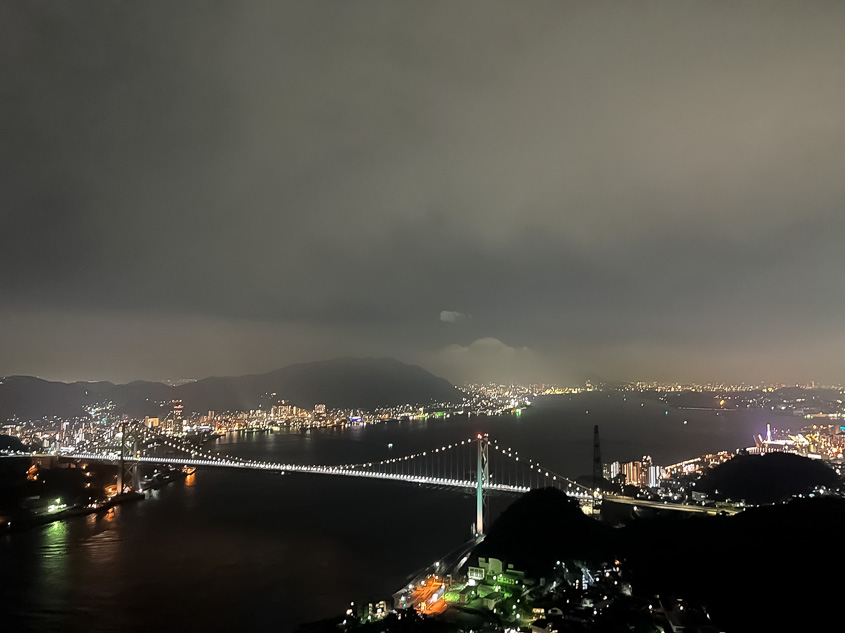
<point x="174" y="418"/>
<point x="642" y="473"/>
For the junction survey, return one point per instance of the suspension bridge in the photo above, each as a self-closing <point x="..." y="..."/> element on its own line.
<point x="476" y="463"/>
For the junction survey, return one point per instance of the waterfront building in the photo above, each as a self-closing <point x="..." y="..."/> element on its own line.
<point x="641" y="473"/>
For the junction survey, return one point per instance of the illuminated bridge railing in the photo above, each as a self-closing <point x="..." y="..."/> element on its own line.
<point x="451" y="465"/>
<point x="302" y="468"/>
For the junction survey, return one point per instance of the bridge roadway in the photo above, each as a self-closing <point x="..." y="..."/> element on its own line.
<point x="420" y="479"/>
<point x="303" y="468"/>
<point x="663" y="505"/>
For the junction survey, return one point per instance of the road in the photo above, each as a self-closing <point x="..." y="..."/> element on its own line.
<point x="662" y="505"/>
<point x="428" y="583"/>
<point x="427" y="596"/>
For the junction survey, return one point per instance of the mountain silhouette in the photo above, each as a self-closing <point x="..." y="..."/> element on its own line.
<point x="354" y="383"/>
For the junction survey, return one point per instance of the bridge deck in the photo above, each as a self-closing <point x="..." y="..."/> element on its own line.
<point x="304" y="468"/>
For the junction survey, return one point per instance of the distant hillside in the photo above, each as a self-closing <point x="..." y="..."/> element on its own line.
<point x="363" y="383"/>
<point x="8" y="443"/>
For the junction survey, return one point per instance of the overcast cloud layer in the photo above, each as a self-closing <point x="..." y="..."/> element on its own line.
<point x="634" y="190"/>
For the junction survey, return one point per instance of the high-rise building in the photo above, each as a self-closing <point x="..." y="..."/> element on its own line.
<point x="282" y="411"/>
<point x="641" y="473"/>
<point x="655" y="474"/>
<point x="174" y="418"/>
<point x="611" y="471"/>
<point x="633" y="472"/>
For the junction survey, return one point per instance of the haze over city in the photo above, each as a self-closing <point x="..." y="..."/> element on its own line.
<point x="628" y="191"/>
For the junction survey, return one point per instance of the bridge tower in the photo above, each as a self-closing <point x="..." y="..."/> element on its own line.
<point x="127" y="470"/>
<point x="482" y="478"/>
<point x="598" y="468"/>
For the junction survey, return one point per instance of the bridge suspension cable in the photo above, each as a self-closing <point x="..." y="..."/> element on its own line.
<point x="454" y="464"/>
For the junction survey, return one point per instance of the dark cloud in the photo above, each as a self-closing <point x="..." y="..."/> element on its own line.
<point x="638" y="191"/>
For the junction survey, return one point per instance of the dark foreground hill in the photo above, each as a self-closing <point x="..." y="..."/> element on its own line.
<point x="361" y="383"/>
<point x="544" y="526"/>
<point x="766" y="478"/>
<point x="772" y="568"/>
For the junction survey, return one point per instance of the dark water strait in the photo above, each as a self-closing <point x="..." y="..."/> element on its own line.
<point x="248" y="551"/>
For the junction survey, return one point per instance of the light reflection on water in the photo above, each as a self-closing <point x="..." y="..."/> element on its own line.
<point x="226" y="550"/>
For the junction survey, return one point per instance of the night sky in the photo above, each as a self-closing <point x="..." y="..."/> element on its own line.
<point x="494" y="190"/>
